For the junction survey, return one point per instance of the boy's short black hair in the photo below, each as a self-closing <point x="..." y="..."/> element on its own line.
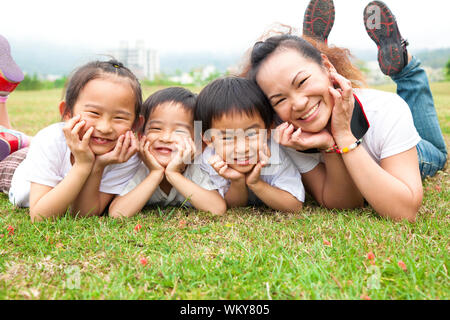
<point x="228" y="95"/>
<point x="184" y="97"/>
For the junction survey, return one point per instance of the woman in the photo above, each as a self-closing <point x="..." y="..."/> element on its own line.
<point x="313" y="90"/>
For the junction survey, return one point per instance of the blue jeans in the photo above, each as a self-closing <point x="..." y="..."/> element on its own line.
<point x="413" y="87"/>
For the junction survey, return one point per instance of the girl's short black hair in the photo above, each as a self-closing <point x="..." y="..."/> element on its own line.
<point x="179" y="95"/>
<point x="230" y="95"/>
<point x="96" y="70"/>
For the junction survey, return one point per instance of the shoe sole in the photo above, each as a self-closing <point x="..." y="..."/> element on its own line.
<point x="8" y="68"/>
<point x="319" y="19"/>
<point x="387" y="38"/>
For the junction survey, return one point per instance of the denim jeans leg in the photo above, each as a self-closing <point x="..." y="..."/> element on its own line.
<point x="431" y="159"/>
<point x="413" y="87"/>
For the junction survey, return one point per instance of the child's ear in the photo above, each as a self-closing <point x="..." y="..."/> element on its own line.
<point x="62" y="107"/>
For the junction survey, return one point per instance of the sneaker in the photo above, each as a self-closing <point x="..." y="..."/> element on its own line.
<point x="10" y="73"/>
<point x="319" y="19"/>
<point x="11" y="141"/>
<point x="392" y="53"/>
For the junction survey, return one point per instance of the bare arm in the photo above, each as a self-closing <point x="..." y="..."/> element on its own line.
<point x="90" y="201"/>
<point x="237" y="194"/>
<point x="133" y="202"/>
<point x="331" y="184"/>
<point x="276" y="198"/>
<point x="47" y="202"/>
<point x="200" y="198"/>
<point x="393" y="189"/>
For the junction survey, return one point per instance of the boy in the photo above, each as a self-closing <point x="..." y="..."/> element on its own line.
<point x="236" y="117"/>
<point x="165" y="177"/>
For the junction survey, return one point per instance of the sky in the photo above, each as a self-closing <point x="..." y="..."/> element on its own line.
<point x="206" y="25"/>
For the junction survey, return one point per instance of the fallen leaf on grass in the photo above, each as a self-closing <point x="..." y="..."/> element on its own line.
<point x="402" y="265"/>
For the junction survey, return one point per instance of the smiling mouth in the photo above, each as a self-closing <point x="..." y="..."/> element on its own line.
<point x="310" y="112"/>
<point x="98" y="140"/>
<point x="244" y="161"/>
<point x="163" y="150"/>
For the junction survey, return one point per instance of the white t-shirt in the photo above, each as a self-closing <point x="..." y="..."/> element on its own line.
<point x="193" y="172"/>
<point x="280" y="173"/>
<point x="391" y="130"/>
<point x="48" y="162"/>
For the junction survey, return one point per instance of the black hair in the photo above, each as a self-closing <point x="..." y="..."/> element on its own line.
<point x="228" y="95"/>
<point x="308" y="48"/>
<point x="95" y="70"/>
<point x="263" y="49"/>
<point x="185" y="98"/>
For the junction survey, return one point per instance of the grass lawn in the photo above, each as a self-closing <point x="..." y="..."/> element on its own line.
<point x="247" y="254"/>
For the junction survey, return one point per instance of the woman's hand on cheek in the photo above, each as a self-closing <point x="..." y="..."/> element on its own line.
<point x="125" y="148"/>
<point x="344" y="103"/>
<point x="302" y="140"/>
<point x="79" y="147"/>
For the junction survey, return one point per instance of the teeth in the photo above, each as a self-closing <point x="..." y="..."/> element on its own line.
<point x="306" y="116"/>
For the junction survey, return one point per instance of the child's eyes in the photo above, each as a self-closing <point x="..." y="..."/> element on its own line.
<point x="93" y="113"/>
<point x="251" y="134"/>
<point x="155" y="129"/>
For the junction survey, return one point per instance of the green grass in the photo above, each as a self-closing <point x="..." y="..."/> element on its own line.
<point x="247" y="254"/>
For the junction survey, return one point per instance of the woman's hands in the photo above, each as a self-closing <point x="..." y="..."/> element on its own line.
<point x="286" y="135"/>
<point x="342" y="112"/>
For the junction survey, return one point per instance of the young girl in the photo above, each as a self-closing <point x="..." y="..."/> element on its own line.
<point x="82" y="162"/>
<point x="308" y="89"/>
<point x="166" y="176"/>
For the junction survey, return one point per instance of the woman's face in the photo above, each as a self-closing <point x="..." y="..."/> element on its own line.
<point x="298" y="89"/>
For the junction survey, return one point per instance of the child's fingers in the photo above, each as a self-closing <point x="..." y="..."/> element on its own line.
<point x="222" y="169"/>
<point x="263" y="158"/>
<point x="76" y="129"/>
<point x="72" y="121"/>
<point x="212" y="160"/>
<point x="86" y="137"/>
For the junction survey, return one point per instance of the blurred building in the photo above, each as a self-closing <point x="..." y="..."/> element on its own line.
<point x="143" y="61"/>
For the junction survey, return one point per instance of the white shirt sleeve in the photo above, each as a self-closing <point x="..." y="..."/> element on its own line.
<point x="139" y="176"/>
<point x="220" y="184"/>
<point x="394" y="130"/>
<point x="304" y="162"/>
<point x="287" y="177"/>
<point x="46" y="157"/>
<point x="117" y="176"/>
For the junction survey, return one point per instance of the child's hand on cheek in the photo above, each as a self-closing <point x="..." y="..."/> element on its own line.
<point x="223" y="170"/>
<point x="79" y="147"/>
<point x="125" y="148"/>
<point x="147" y="157"/>
<point x="253" y="176"/>
<point x="182" y="156"/>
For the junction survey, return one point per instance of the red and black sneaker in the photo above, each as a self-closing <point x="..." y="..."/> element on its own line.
<point x="10" y="73"/>
<point x="319" y="19"/>
<point x="382" y="28"/>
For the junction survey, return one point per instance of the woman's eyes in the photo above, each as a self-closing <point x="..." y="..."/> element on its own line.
<point x="301" y="82"/>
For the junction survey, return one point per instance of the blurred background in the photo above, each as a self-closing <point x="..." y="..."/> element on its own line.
<point x="192" y="42"/>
